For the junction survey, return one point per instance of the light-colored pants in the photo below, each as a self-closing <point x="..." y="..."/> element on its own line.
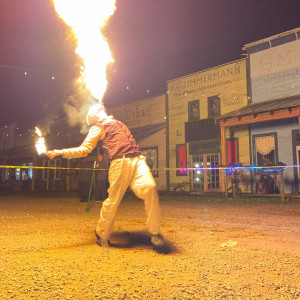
<point x="133" y="172"/>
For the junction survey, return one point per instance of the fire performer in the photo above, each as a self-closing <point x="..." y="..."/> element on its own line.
<point x="127" y="168"/>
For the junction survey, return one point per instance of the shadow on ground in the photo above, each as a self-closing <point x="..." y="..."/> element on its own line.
<point x="134" y="239"/>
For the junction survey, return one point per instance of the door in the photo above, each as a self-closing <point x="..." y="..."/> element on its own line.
<point x="198" y="174"/>
<point x="213" y="172"/>
<point x="205" y="174"/>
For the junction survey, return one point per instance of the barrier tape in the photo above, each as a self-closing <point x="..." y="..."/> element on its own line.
<point x="245" y="169"/>
<point x="48" y="168"/>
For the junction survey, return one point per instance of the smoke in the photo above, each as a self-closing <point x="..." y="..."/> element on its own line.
<point x="77" y="106"/>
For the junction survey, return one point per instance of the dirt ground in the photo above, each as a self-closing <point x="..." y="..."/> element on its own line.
<point x="216" y="249"/>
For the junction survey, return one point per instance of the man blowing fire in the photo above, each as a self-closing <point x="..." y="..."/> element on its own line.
<point x="127" y="168"/>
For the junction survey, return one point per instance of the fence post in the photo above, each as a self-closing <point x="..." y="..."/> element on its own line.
<point x="281" y="182"/>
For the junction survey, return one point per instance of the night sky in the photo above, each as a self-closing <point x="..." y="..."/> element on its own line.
<point x="152" y="41"/>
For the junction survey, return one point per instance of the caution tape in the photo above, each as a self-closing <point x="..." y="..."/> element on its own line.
<point x="221" y="168"/>
<point x="47" y="168"/>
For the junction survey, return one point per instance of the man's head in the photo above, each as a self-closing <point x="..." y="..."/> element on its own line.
<point x="95" y="114"/>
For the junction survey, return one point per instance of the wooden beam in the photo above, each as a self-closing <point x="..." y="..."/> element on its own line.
<point x="68" y="177"/>
<point x="223" y="159"/>
<point x="299" y="121"/>
<point x="282" y="114"/>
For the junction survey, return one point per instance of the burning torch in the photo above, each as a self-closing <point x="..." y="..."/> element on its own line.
<point x="40" y="144"/>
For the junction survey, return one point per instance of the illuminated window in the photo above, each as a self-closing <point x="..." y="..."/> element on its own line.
<point x="30" y="164"/>
<point x="151" y="155"/>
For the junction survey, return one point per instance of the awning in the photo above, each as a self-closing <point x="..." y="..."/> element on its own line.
<point x="262" y="111"/>
<point x="142" y="132"/>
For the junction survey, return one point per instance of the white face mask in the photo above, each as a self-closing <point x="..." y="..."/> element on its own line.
<point x="95" y="114"/>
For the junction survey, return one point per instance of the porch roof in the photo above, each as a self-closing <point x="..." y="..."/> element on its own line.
<point x="142" y="132"/>
<point x="262" y="111"/>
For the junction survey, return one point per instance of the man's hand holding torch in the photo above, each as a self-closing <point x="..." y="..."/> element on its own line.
<point x="53" y="153"/>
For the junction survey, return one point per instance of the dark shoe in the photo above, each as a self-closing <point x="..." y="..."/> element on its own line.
<point x="99" y="239"/>
<point x="157" y="240"/>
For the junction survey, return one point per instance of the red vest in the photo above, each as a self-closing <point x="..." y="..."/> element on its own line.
<point x="118" y="138"/>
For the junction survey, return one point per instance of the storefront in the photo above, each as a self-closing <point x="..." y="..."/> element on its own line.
<point x="274" y="141"/>
<point x="274" y="80"/>
<point x="194" y="101"/>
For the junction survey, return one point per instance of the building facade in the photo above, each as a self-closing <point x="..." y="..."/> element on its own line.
<point x="275" y="74"/>
<point x="147" y="121"/>
<point x="194" y="101"/>
<point x="273" y="114"/>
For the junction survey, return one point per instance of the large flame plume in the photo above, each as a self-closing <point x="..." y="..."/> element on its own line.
<point x="87" y="18"/>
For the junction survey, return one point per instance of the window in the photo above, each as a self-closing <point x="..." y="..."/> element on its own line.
<point x="193" y="110"/>
<point x="213" y="106"/>
<point x="18" y="174"/>
<point x="181" y="161"/>
<point x="232" y="151"/>
<point x="57" y="169"/>
<point x="30" y="164"/>
<point x="265" y="150"/>
<point x="151" y="155"/>
<point x="45" y="171"/>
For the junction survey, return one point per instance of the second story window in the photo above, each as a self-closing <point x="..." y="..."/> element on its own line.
<point x="213" y="106"/>
<point x="194" y="113"/>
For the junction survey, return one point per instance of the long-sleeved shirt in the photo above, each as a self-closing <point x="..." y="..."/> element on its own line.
<point x="90" y="142"/>
<point x="116" y="139"/>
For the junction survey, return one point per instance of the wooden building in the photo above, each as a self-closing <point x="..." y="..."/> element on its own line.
<point x="194" y="101"/>
<point x="17" y="149"/>
<point x="273" y="116"/>
<point x="147" y="121"/>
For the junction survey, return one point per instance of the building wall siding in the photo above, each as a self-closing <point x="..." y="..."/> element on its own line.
<point x="274" y="72"/>
<point x="227" y="81"/>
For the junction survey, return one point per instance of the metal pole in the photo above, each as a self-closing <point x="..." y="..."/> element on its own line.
<point x="281" y="182"/>
<point x="91" y="187"/>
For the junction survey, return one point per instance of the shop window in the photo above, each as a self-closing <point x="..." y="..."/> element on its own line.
<point x="232" y="151"/>
<point x="265" y="150"/>
<point x="18" y="174"/>
<point x="214" y="106"/>
<point x="181" y="160"/>
<point x="193" y="109"/>
<point x="151" y="155"/>
<point x="28" y="169"/>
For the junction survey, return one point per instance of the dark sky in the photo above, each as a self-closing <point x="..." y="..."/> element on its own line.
<point x="152" y="42"/>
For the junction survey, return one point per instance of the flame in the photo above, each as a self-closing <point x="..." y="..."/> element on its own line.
<point x="87" y="18"/>
<point x="40" y="144"/>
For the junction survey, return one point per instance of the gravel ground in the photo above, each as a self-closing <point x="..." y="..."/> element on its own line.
<point x="216" y="249"/>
